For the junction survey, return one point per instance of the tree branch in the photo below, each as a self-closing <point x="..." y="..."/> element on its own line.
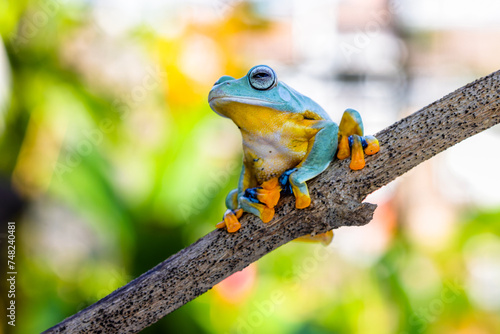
<point x="336" y="194"/>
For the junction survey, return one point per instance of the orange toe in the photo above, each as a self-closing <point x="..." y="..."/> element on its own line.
<point x="302" y="201"/>
<point x="231" y="221"/>
<point x="267" y="214"/>
<point x="343" y="150"/>
<point x="238" y="213"/>
<point x="369" y="150"/>
<point x="325" y="238"/>
<point x="270" y="192"/>
<point x="357" y="154"/>
<point x="357" y="164"/>
<point x="373" y="145"/>
<point x="271" y="184"/>
<point x="233" y="225"/>
<point x="269" y="197"/>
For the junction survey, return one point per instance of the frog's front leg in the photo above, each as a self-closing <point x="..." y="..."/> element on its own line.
<point x="321" y="150"/>
<point x="352" y="142"/>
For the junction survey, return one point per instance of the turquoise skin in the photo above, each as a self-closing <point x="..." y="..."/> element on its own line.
<point x="288" y="139"/>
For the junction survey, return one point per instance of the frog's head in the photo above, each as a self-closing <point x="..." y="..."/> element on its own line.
<point x="260" y="88"/>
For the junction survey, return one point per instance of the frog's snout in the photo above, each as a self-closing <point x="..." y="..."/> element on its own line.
<point x="223" y="79"/>
<point x="214" y="99"/>
<point x="214" y="93"/>
<point x="218" y="90"/>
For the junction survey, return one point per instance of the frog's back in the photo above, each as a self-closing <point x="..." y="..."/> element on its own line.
<point x="302" y="104"/>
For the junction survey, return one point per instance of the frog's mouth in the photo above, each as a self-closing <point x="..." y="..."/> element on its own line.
<point x="218" y="102"/>
<point x="243" y="100"/>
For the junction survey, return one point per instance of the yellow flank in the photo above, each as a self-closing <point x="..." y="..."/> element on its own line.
<point x="273" y="141"/>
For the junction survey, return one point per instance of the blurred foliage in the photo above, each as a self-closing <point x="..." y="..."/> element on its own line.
<point x="118" y="172"/>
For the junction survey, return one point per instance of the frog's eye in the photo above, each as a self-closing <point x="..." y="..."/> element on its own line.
<point x="262" y="77"/>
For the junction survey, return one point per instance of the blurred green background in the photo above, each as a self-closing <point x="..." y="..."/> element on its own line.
<point x="111" y="159"/>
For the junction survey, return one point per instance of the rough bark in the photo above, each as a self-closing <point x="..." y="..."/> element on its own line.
<point x="337" y="196"/>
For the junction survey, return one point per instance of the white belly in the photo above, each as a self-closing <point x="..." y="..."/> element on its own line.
<point x="270" y="156"/>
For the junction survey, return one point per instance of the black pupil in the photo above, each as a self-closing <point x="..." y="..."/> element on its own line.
<point x="261" y="75"/>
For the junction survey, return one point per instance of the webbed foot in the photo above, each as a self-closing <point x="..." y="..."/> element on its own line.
<point x="352" y="142"/>
<point x="230" y="220"/>
<point x="261" y="201"/>
<point x="372" y="145"/>
<point x="325" y="238"/>
<point x="269" y="192"/>
<point x="299" y="189"/>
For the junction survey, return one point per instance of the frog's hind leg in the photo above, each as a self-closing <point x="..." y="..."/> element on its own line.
<point x="249" y="202"/>
<point x="352" y="142"/>
<point x="325" y="238"/>
<point x="230" y="219"/>
<point x="322" y="148"/>
<point x="261" y="200"/>
<point x="234" y="211"/>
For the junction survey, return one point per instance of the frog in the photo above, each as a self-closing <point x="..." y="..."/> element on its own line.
<point x="288" y="139"/>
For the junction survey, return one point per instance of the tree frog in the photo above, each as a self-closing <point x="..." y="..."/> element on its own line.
<point x="288" y="139"/>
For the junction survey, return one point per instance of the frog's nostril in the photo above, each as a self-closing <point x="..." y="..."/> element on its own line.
<point x="223" y="79"/>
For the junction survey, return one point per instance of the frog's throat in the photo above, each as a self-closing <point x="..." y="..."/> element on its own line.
<point x="229" y="106"/>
